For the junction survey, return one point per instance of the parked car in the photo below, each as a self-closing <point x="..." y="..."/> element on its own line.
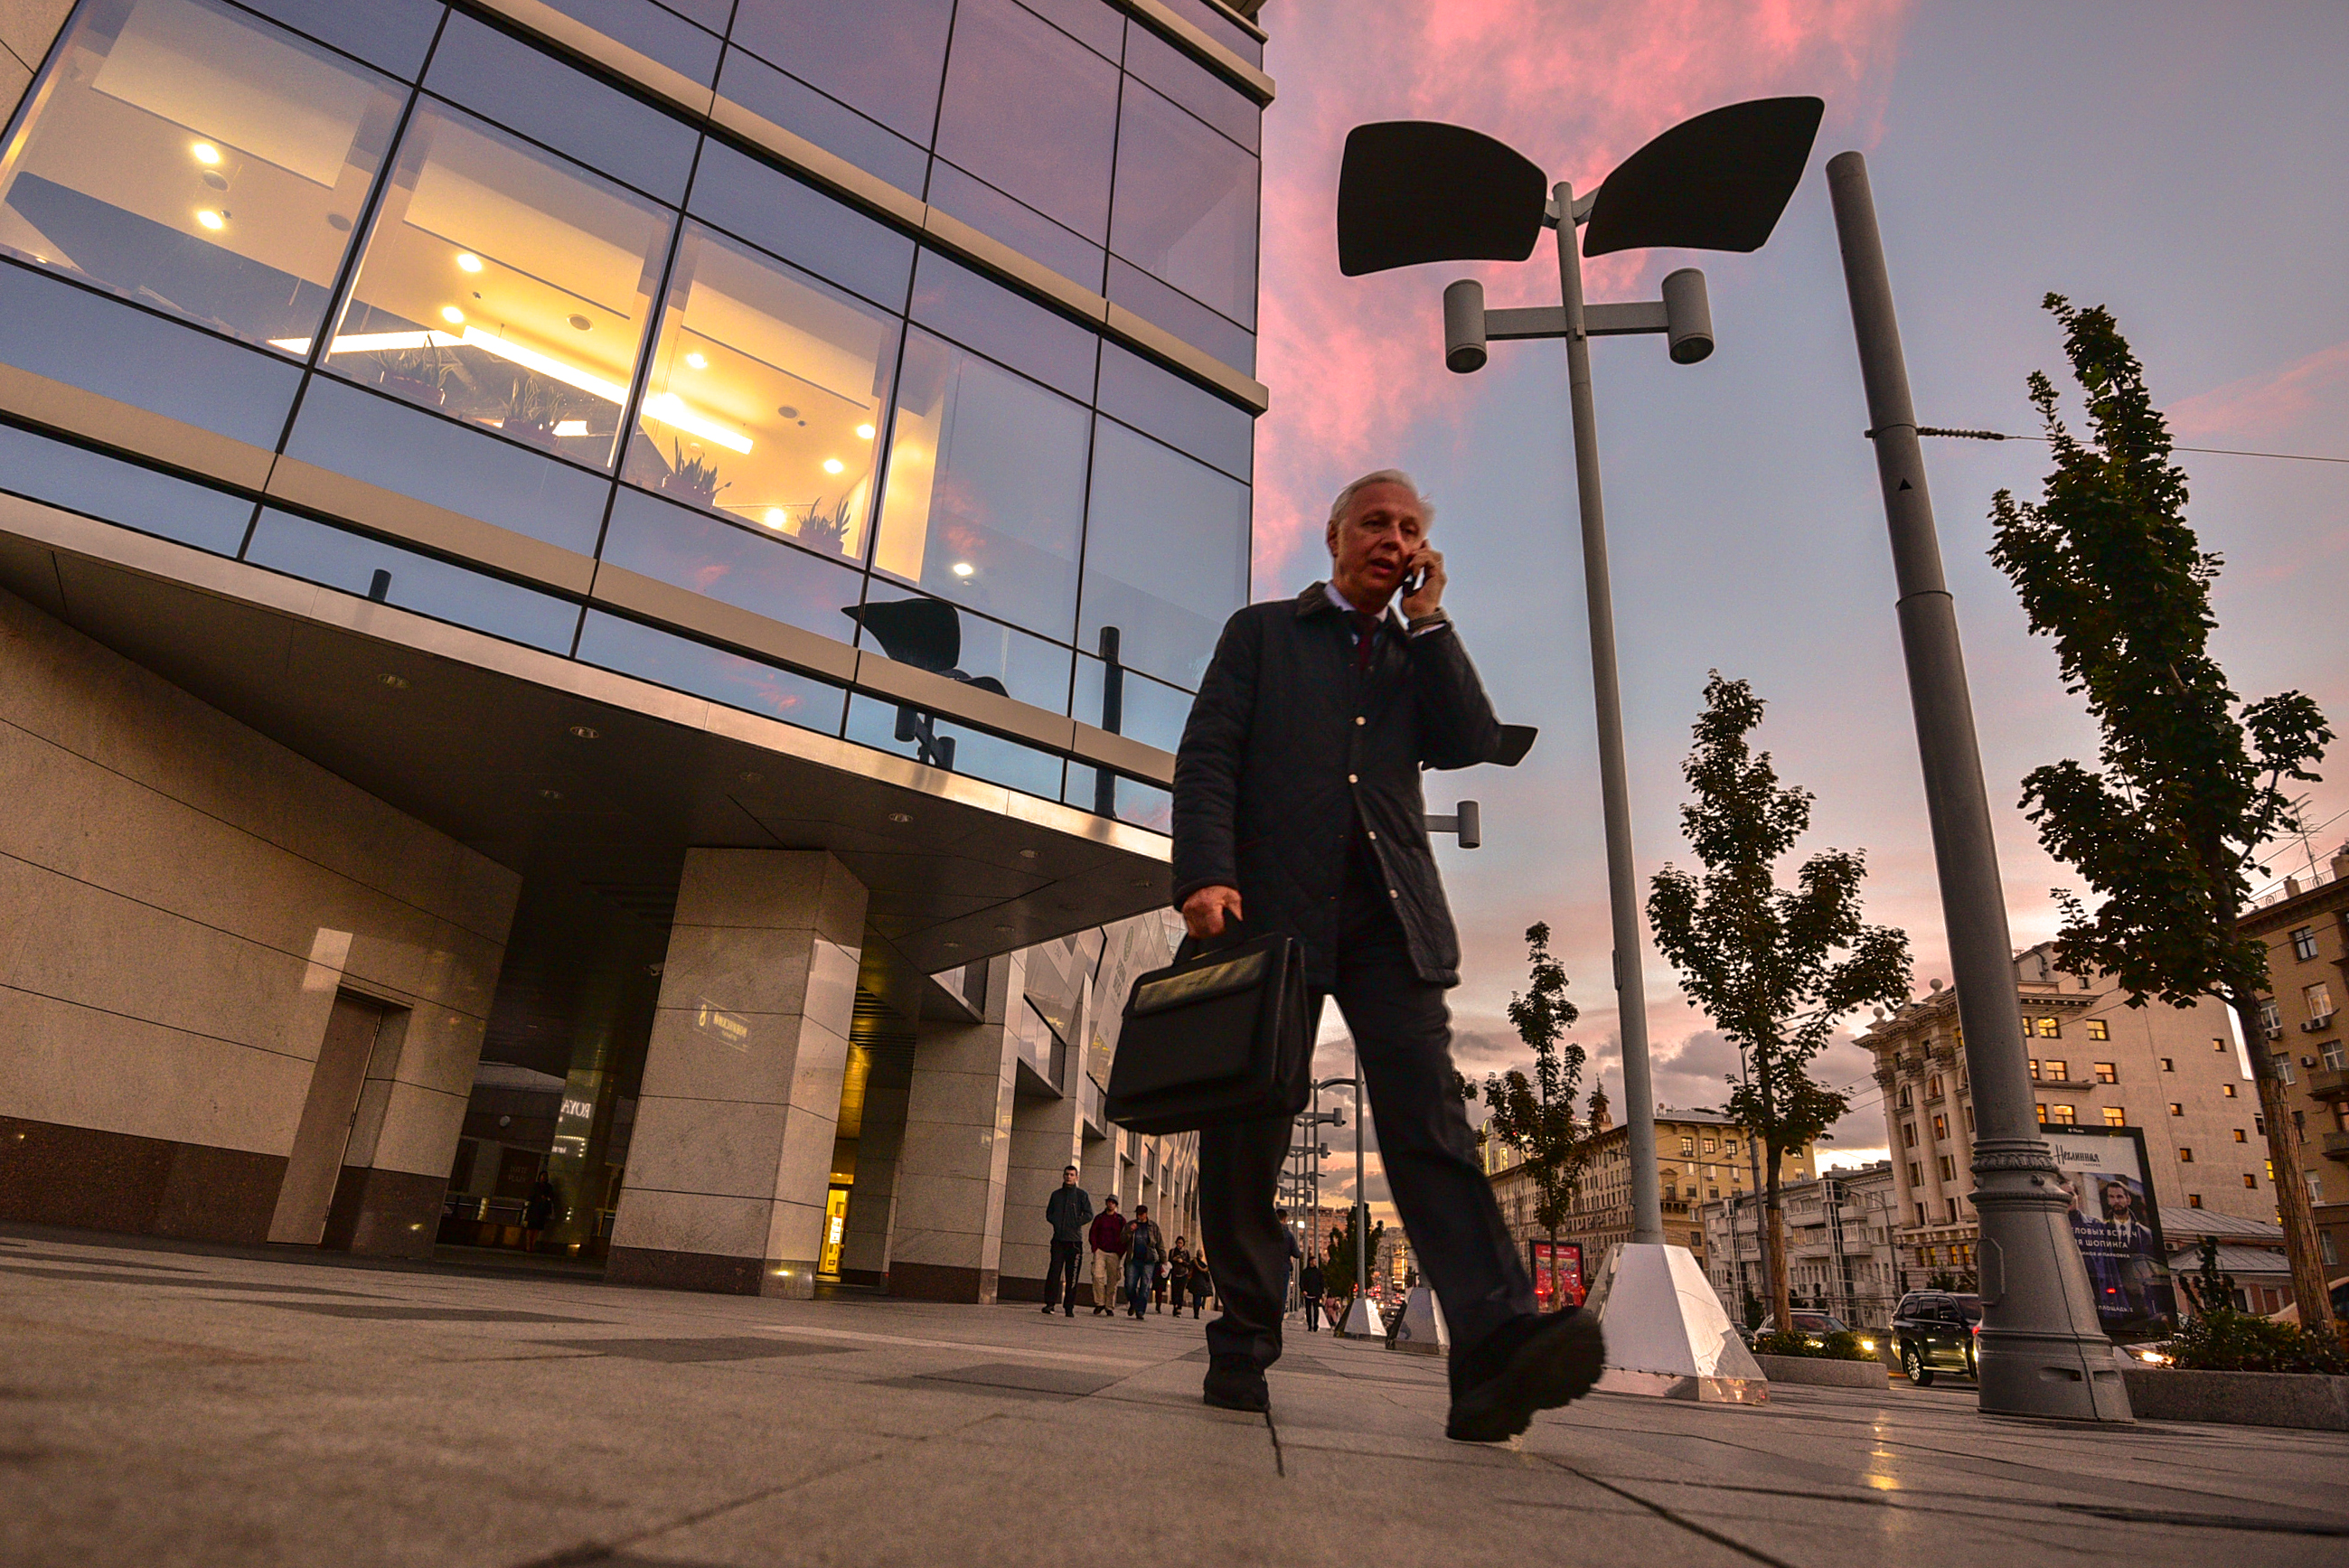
<point x="1933" y="1331"/>
<point x="1814" y="1326"/>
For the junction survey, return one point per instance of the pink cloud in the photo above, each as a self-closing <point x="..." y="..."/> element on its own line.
<point x="1577" y="87"/>
<point x="2264" y="403"/>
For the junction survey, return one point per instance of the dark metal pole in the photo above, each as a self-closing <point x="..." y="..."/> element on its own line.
<point x="2041" y="1352"/>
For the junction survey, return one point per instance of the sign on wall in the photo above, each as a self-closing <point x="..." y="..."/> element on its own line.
<point x="2117" y="1226"/>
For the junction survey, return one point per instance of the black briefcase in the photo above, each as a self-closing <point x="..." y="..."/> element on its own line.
<point x="1221" y="1035"/>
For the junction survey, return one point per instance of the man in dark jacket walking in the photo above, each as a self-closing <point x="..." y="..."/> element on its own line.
<point x="1069" y="1212"/>
<point x="1298" y="810"/>
<point x="1310" y="1287"/>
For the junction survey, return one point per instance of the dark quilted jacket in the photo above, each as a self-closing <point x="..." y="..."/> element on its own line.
<point x="1285" y="741"/>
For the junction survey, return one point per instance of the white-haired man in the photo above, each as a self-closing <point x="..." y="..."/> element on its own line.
<point x="1298" y="810"/>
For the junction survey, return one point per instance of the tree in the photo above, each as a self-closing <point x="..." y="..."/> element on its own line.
<point x="2167" y="831"/>
<point x="1773" y="968"/>
<point x="1535" y="1116"/>
<point x="1339" y="1271"/>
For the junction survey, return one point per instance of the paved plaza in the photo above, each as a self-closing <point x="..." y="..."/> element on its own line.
<point x="171" y="1405"/>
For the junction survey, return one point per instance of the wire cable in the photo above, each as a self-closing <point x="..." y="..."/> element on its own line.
<point x="2213" y="451"/>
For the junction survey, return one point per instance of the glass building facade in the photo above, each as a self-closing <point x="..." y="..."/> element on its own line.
<point x="411" y="260"/>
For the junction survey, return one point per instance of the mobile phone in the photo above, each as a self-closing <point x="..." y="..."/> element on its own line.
<point x="1413" y="579"/>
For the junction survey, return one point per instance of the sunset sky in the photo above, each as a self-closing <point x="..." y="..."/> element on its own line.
<point x="2177" y="162"/>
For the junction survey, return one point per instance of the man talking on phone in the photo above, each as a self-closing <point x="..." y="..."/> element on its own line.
<point x="1298" y="810"/>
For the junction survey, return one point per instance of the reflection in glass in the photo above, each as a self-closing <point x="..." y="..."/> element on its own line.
<point x="1125" y="702"/>
<point x="200" y="162"/>
<point x="832" y="125"/>
<point x="1186" y="204"/>
<point x="974" y="752"/>
<point x="978" y="313"/>
<point x="1181" y="413"/>
<point x="1202" y="91"/>
<point x="787" y="218"/>
<point x="1031" y="112"/>
<point x="666" y="659"/>
<point x="746" y="567"/>
<point x="765" y="398"/>
<point x="102" y="487"/>
<point x="1108" y="794"/>
<point x="985" y="499"/>
<point x="1166" y="553"/>
<point x="391" y="575"/>
<point x="504" y="286"/>
<point x="933" y="635"/>
<point x="881" y="58"/>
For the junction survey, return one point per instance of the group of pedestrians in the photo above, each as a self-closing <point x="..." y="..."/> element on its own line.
<point x="1132" y="1264"/>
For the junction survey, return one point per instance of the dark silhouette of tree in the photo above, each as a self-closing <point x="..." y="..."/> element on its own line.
<point x="2188" y="786"/>
<point x="1773" y="968"/>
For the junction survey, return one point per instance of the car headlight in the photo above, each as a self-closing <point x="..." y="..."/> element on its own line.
<point x="1867" y="1344"/>
<point x="2151" y="1358"/>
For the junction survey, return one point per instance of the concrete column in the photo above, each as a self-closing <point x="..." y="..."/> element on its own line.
<point x="947" y="1240"/>
<point x="1046" y="1138"/>
<point x="872" y="1198"/>
<point x="732" y="1156"/>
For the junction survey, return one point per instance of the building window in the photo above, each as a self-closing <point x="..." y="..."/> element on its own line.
<point x="2043" y="1113"/>
<point x="2304" y="943"/>
<point x="1165" y="553"/>
<point x="2116" y="1116"/>
<point x="2270" y="1015"/>
<point x="2260" y="1125"/>
<point x="1933" y="1087"/>
<point x="2176" y="1109"/>
<point x="200" y="162"/>
<point x="2318" y="1000"/>
<point x="1970" y="1118"/>
<point x="509" y="288"/>
<point x="2169" y="1065"/>
<point x="2185" y="1156"/>
<point x="2226" y="1090"/>
<point x="1950" y="1204"/>
<point x="2099" y="1030"/>
<point x="1185" y="208"/>
<point x="1688" y="1146"/>
<point x="2058" y="1072"/>
<point x="2047" y="1028"/>
<point x="1949" y="1169"/>
<point x="1908" y="1135"/>
<point x="2250" y="1180"/>
<point x="1708" y="1146"/>
<point x="2107" y="1073"/>
<point x="1940" y="1128"/>
<point x="2062" y="1114"/>
<point x="2271" y="1169"/>
<point x="2216" y="1045"/>
<point x="2336" y="1056"/>
<point x="2034" y="1067"/>
<point x="1916" y="1174"/>
<point x="2239" y="1136"/>
<point x="1905" y="1101"/>
<point x="2193" y="1199"/>
<point x="2284" y="1067"/>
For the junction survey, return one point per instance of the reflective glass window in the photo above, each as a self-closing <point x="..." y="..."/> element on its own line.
<point x="632" y="648"/>
<point x="832" y="125"/>
<point x="882" y="58"/>
<point x="1113" y="795"/>
<point x="1129" y="703"/>
<point x="1031" y="112"/>
<point x="498" y="75"/>
<point x="737" y="565"/>
<point x="199" y="161"/>
<point x="86" y="340"/>
<point x="712" y="14"/>
<point x="657" y="32"/>
<point x="1166" y="554"/>
<point x="504" y="286"/>
<point x="82" y="481"/>
<point x="1210" y="97"/>
<point x="926" y="738"/>
<point x="800" y="224"/>
<point x="932" y="635"/>
<point x="387" y="574"/>
<point x="1098" y="23"/>
<point x="393" y="35"/>
<point x="985" y="316"/>
<point x="1211" y="20"/>
<point x="1186" y="204"/>
<point x="1017" y="224"/>
<point x="985" y="500"/>
<point x="1181" y="315"/>
<point x="1181" y="413"/>
<point x="765" y="398"/>
<point x="386" y="443"/>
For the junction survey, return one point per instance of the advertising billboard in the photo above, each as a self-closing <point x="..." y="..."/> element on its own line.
<point x="2117" y="1226"/>
<point x="1558" y="1275"/>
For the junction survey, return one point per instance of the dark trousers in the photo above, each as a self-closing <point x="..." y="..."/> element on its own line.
<point x="1312" y="1315"/>
<point x="1402" y="1032"/>
<point x="1061" y="1279"/>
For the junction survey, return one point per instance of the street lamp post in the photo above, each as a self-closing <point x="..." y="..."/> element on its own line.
<point x="1361" y="1319"/>
<point x="2041" y="1352"/>
<point x="1415" y="192"/>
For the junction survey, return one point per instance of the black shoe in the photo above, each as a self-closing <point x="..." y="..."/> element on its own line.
<point x="1235" y="1383"/>
<point x="1072" y="1311"/>
<point x="1535" y="1363"/>
<point x="1047" y="1309"/>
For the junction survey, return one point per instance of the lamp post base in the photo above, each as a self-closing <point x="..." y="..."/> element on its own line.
<point x="2032" y="1356"/>
<point x="1363" y="1321"/>
<point x="1667" y="1336"/>
<point x="1422" y="1331"/>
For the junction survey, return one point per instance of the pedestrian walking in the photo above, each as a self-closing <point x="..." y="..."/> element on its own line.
<point x="1298" y="809"/>
<point x="1178" y="1271"/>
<point x="1107" y="1239"/>
<point x="1145" y="1249"/>
<point x="1312" y="1285"/>
<point x="1202" y="1284"/>
<point x="1069" y="1210"/>
<point x="538" y="1210"/>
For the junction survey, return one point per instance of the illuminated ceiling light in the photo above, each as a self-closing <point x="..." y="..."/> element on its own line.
<point x="468" y="262"/>
<point x="699" y="361"/>
<point x="834" y="466"/>
<point x="211" y="220"/>
<point x="545" y="364"/>
<point x="452" y="316"/>
<point x="775" y="516"/>
<point x="586" y="731"/>
<point x="205" y="153"/>
<point x="863" y="432"/>
<point x="899" y="816"/>
<point x="571" y="427"/>
<point x="964" y="569"/>
<point x="670" y="409"/>
<point x="397" y="682"/>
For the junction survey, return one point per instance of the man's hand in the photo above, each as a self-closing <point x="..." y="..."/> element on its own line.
<point x="1205" y="911"/>
<point x="1430" y="596"/>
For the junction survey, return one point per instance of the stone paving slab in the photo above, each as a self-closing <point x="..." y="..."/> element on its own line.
<point x="162" y="1403"/>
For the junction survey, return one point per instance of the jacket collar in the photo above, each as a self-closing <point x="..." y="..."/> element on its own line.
<point x="1316" y="600"/>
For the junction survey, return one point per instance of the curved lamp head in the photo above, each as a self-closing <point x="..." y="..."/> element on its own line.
<point x="1413" y="190"/>
<point x="923" y="632"/>
<point x="1717" y="182"/>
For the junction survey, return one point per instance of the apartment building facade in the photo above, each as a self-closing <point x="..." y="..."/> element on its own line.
<point x="2305" y="924"/>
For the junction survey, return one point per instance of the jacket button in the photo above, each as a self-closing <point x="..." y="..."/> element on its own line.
<point x="1393" y="893"/>
<point x="1373" y="837"/>
<point x="1352" y="779"/>
<point x="1359" y="719"/>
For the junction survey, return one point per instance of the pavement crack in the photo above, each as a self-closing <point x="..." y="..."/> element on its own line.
<point x="1279" y="1465"/>
<point x="1671" y="1516"/>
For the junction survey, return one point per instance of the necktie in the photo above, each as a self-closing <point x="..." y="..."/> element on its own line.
<point x="1366" y="636"/>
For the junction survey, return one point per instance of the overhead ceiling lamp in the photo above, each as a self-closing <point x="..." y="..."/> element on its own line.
<point x="669" y="409"/>
<point x="775" y="516"/>
<point x="211" y="220"/>
<point x="964" y="569"/>
<point x="468" y="262"/>
<point x="834" y="466"/>
<point x="698" y="360"/>
<point x="452" y="316"/>
<point x="863" y="432"/>
<point x="546" y="365"/>
<point x="205" y="153"/>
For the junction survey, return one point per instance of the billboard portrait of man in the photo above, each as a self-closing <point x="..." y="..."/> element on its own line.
<point x="2117" y="1226"/>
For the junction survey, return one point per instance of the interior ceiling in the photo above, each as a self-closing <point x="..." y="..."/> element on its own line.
<point x="495" y="761"/>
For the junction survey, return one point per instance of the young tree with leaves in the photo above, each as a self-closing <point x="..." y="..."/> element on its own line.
<point x="1535" y="1116"/>
<point x="1773" y="967"/>
<point x="2167" y="830"/>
